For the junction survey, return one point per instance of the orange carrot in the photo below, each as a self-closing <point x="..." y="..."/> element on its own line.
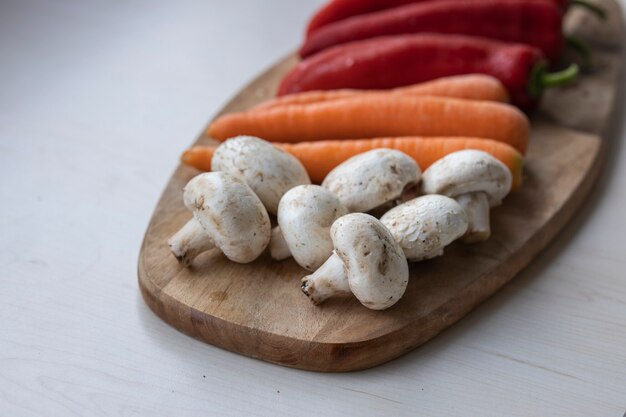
<point x="469" y="86"/>
<point x="376" y="115"/>
<point x="320" y="157"/>
<point x="198" y="157"/>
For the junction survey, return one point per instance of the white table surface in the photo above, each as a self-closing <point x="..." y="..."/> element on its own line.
<point x="97" y="99"/>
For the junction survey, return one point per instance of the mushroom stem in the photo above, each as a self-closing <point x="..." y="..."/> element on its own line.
<point x="190" y="241"/>
<point x="278" y="245"/>
<point x="328" y="281"/>
<point x="476" y="206"/>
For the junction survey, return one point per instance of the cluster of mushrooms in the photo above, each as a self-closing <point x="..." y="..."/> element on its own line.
<point x="325" y="228"/>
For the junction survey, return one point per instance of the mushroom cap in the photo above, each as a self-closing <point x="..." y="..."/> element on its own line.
<point x="268" y="170"/>
<point x="373" y="178"/>
<point x="374" y="263"/>
<point x="425" y="225"/>
<point x="305" y="214"/>
<point x="230" y="213"/>
<point x="468" y="171"/>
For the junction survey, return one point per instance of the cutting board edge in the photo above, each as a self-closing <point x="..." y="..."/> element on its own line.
<point x="329" y="356"/>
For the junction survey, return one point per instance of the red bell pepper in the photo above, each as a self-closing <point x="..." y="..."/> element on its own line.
<point x="534" y="22"/>
<point x="336" y="10"/>
<point x="394" y="61"/>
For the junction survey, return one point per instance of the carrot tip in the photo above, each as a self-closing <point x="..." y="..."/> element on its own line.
<point x="186" y="156"/>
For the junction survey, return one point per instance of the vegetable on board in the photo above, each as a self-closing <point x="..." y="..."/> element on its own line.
<point x="469" y="86"/>
<point x="534" y="22"/>
<point x="395" y="61"/>
<point x="379" y="115"/>
<point x="320" y="157"/>
<point x="337" y="10"/>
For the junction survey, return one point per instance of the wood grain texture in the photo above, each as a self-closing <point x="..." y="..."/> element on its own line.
<point x="258" y="310"/>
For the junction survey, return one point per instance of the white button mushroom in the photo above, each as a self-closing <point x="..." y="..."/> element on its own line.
<point x="268" y="170"/>
<point x="362" y="183"/>
<point x="425" y="225"/>
<point x="366" y="262"/>
<point x="226" y="214"/>
<point x="373" y="178"/>
<point x="476" y="180"/>
<point x="305" y="215"/>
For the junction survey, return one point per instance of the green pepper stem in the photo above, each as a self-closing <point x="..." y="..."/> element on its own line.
<point x="553" y="79"/>
<point x="541" y="79"/>
<point x="581" y="47"/>
<point x="597" y="10"/>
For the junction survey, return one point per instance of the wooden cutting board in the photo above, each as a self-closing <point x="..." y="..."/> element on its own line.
<point x="258" y="310"/>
